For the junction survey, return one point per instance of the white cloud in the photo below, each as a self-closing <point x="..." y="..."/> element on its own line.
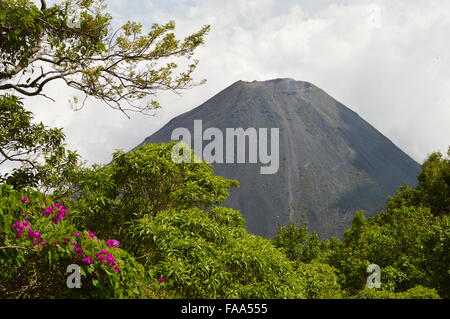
<point x="388" y="60"/>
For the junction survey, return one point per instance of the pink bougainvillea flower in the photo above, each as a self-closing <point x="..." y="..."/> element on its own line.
<point x="26" y="224"/>
<point x="88" y="260"/>
<point x="111" y="261"/>
<point x="160" y="280"/>
<point x="112" y="243"/>
<point x="103" y="252"/>
<point x="31" y="234"/>
<point x="105" y="256"/>
<point x="102" y="258"/>
<point x="78" y="250"/>
<point x="91" y="234"/>
<point x="18" y="226"/>
<point x="48" y="211"/>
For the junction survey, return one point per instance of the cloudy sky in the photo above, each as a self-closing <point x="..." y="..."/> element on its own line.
<point x="388" y="60"/>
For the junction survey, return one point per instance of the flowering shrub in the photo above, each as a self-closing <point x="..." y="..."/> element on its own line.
<point x="37" y="244"/>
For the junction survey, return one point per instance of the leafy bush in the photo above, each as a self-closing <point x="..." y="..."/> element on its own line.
<point x="321" y="281"/>
<point x="417" y="292"/>
<point x="210" y="255"/>
<point x="297" y="243"/>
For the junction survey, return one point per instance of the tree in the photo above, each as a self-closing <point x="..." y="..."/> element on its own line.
<point x="297" y="243"/>
<point x="409" y="244"/>
<point x="433" y="189"/>
<point x="434" y="183"/>
<point x="39" y="150"/>
<point x="73" y="42"/>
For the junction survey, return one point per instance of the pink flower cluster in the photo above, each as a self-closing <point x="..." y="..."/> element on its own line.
<point x="78" y="249"/>
<point x="112" y="243"/>
<point x="24" y="199"/>
<point x="58" y="210"/>
<point x="20" y="227"/>
<point x="88" y="260"/>
<point x="35" y="236"/>
<point x="105" y="257"/>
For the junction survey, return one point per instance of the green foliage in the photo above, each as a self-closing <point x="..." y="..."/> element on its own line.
<point x="321" y="281"/>
<point x="417" y="292"/>
<point x="408" y="244"/>
<point x="176" y="243"/>
<point x="437" y="257"/>
<point x="210" y="255"/>
<point x="19" y="31"/>
<point x="45" y="162"/>
<point x="140" y="183"/>
<point x="433" y="189"/>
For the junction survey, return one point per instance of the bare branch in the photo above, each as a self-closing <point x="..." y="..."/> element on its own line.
<point x="119" y="67"/>
<point x="13" y="159"/>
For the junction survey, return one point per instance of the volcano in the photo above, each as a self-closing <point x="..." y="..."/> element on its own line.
<point x="331" y="161"/>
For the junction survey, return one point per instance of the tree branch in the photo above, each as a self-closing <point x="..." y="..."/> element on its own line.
<point x="9" y="158"/>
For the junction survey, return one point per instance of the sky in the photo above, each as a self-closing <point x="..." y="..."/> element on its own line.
<point x="387" y="60"/>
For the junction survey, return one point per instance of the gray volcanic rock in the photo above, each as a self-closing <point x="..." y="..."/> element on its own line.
<point x="332" y="162"/>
